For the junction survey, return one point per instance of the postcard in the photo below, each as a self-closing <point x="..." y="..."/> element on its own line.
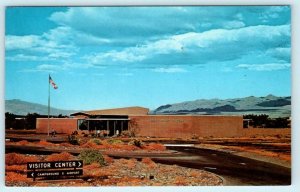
<point x="148" y="96"/>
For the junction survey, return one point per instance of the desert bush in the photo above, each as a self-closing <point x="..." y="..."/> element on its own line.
<point x="73" y="140"/>
<point x="94" y="143"/>
<point x="18" y="159"/>
<point x="90" y="156"/>
<point x="136" y="142"/>
<point x="64" y="156"/>
<point x="97" y="141"/>
<point x="114" y="141"/>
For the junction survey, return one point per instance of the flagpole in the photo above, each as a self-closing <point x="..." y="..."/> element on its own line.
<point x="48" y="103"/>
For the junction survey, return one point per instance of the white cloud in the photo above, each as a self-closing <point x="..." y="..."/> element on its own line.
<point x="265" y="67"/>
<point x="218" y="44"/>
<point x="13" y="42"/>
<point x="281" y="53"/>
<point x="169" y="70"/>
<point x="36" y="48"/>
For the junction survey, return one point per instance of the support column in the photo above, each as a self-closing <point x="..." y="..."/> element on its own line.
<point x="121" y="126"/>
<point x="114" y="127"/>
<point x="107" y="127"/>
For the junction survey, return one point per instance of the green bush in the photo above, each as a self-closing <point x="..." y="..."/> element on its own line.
<point x="115" y="141"/>
<point x="97" y="141"/>
<point x="90" y="156"/>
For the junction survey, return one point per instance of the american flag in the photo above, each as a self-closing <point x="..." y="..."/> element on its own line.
<point x="52" y="83"/>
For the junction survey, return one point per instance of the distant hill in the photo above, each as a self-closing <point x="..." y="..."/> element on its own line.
<point x="20" y="107"/>
<point x="270" y="105"/>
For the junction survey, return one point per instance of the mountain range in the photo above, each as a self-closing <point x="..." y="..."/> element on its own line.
<point x="20" y="107"/>
<point x="270" y="105"/>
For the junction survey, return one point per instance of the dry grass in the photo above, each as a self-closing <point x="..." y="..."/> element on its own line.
<point x="154" y="147"/>
<point x="18" y="159"/>
<point x="64" y="156"/>
<point x="96" y="170"/>
<point x="11" y="176"/>
<point x="45" y="143"/>
<point x="194" y="174"/>
<point x="180" y="181"/>
<point x="66" y="145"/>
<point x="16" y="168"/>
<point x="108" y="146"/>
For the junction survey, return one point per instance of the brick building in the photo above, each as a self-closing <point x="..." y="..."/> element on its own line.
<point x="137" y="119"/>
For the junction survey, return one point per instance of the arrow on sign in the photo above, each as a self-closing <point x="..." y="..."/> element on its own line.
<point x="79" y="164"/>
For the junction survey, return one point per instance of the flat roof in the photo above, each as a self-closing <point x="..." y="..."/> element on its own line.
<point x="105" y="119"/>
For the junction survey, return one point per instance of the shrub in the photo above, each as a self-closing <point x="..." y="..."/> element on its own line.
<point x="18" y="159"/>
<point x="64" y="156"/>
<point x="136" y="142"/>
<point x="90" y="156"/>
<point x="97" y="141"/>
<point x="114" y="141"/>
<point x="73" y="139"/>
<point x="94" y="143"/>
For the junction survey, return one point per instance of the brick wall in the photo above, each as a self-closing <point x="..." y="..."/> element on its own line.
<point x="176" y="126"/>
<point x="60" y="125"/>
<point x="184" y="126"/>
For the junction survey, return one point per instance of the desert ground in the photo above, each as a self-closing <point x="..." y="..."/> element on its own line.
<point x="140" y="161"/>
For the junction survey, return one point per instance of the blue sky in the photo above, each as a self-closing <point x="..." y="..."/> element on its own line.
<point x="105" y="57"/>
